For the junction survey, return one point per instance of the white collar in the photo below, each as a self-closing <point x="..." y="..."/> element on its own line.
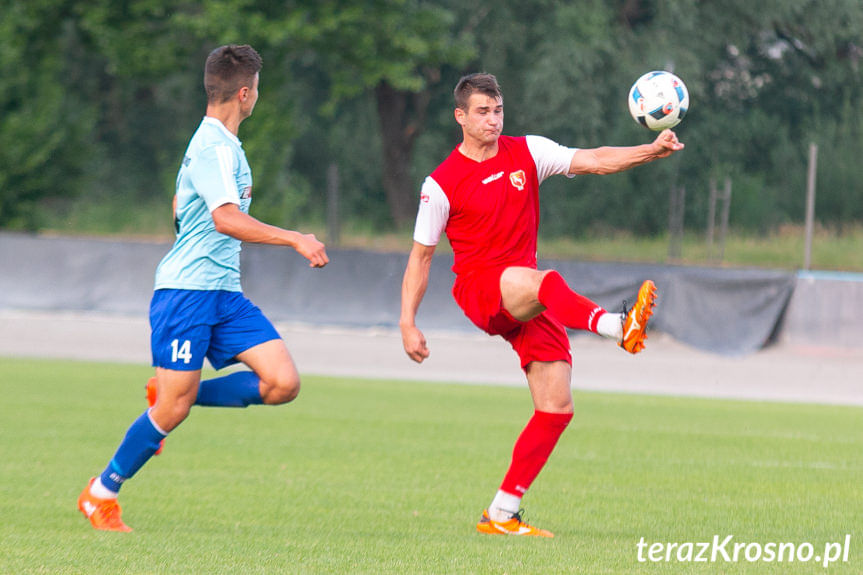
<point x="218" y="123"/>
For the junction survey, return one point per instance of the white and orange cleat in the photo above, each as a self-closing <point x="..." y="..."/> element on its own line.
<point x="512" y="526"/>
<point x="635" y="320"/>
<point x="151" y="401"/>
<point x="104" y="514"/>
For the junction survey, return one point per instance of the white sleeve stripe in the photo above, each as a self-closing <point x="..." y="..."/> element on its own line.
<point x="226" y="168"/>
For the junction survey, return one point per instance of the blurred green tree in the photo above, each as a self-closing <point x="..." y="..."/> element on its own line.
<point x="45" y="124"/>
<point x="395" y="50"/>
<point x="98" y="99"/>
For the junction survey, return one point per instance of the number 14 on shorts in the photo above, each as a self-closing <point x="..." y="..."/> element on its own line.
<point x="181" y="351"/>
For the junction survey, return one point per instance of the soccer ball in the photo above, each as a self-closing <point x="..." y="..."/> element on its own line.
<point x="658" y="100"/>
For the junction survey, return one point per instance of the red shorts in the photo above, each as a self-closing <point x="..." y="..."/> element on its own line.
<point x="541" y="339"/>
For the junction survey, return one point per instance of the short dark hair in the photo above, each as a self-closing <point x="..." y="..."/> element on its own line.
<point x="228" y="69"/>
<point x="472" y="83"/>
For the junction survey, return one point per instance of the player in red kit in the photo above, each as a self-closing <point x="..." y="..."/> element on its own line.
<point x="485" y="196"/>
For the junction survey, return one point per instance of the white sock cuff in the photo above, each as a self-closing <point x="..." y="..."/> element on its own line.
<point x="503" y="506"/>
<point x="100" y="491"/>
<point x="610" y="325"/>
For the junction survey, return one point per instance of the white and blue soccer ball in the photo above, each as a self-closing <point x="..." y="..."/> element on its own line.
<point x="658" y="100"/>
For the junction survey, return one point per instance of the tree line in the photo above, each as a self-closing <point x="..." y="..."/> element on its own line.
<point x="99" y="97"/>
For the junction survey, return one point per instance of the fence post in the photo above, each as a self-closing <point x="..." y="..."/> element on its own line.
<point x="333" y="224"/>
<point x="810" y="205"/>
<point x="726" y="208"/>
<point x="711" y="218"/>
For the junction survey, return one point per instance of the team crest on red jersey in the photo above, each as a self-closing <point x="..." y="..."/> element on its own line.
<point x="518" y="179"/>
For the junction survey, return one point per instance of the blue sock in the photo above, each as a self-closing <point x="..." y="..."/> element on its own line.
<point x="139" y="445"/>
<point x="237" y="389"/>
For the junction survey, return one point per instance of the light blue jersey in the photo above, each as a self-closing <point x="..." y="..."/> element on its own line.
<point x="214" y="173"/>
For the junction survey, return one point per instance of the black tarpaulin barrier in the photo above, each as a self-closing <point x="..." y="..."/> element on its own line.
<point x="728" y="311"/>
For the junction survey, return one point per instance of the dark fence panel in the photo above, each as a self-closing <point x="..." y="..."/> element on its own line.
<point x="729" y="311"/>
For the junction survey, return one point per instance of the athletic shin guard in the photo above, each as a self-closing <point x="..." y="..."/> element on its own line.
<point x="572" y="309"/>
<point x="238" y="389"/>
<point x="532" y="449"/>
<point x="138" y="446"/>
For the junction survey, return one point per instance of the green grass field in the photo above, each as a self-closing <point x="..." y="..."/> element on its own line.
<point x="365" y="476"/>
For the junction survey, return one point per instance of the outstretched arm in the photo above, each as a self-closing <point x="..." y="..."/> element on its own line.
<point x="413" y="289"/>
<point x="610" y="160"/>
<point x="232" y="222"/>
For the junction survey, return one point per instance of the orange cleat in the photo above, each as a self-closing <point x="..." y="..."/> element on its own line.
<point x="104" y="514"/>
<point x="635" y="320"/>
<point x="151" y="401"/>
<point x="512" y="526"/>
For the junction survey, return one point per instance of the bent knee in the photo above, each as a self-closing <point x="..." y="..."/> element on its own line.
<point x="169" y="416"/>
<point x="282" y="389"/>
<point x="558" y="408"/>
<point x="561" y="404"/>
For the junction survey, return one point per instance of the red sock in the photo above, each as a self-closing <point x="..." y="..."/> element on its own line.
<point x="573" y="310"/>
<point x="532" y="449"/>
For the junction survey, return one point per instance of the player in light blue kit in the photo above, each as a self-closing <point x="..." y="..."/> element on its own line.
<point x="198" y="309"/>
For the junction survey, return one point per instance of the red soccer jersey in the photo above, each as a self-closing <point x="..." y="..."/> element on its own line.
<point x="494" y="207"/>
<point x="490" y="211"/>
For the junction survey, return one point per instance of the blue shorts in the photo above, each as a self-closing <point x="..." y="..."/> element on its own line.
<point x="189" y="325"/>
